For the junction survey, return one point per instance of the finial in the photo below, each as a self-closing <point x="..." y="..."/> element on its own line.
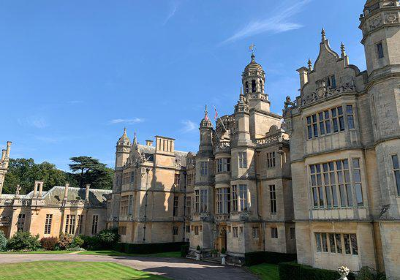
<point x="134" y="138"/>
<point x="252" y="48"/>
<point x="343" y="48"/>
<point x="323" y="35"/>
<point x="206" y="113"/>
<point x="124" y="131"/>
<point x="309" y="65"/>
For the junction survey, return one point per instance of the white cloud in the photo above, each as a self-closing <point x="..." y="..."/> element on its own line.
<point x="171" y="13"/>
<point x="188" y="126"/>
<point x="278" y="23"/>
<point x="34" y="121"/>
<point x="126" y="121"/>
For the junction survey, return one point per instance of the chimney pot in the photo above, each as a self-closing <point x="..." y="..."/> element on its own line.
<point x="66" y="191"/>
<point x="87" y="192"/>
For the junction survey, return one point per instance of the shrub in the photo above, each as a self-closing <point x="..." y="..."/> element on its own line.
<point x="367" y="273"/>
<point x="223" y="251"/>
<point x="268" y="257"/>
<point x="90" y="242"/>
<point x="3" y="241"/>
<point x="65" y="241"/>
<point x="77" y="242"/>
<point x="184" y="250"/>
<point x="290" y="271"/>
<point x="23" y="241"/>
<point x="108" y="238"/>
<point x="198" y="248"/>
<point x="49" y="243"/>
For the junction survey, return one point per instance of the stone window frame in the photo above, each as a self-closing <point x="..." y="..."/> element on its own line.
<point x="204" y="168"/>
<point x="175" y="209"/>
<point x="188" y="205"/>
<point x="273" y="201"/>
<point x="95" y="222"/>
<point x="223" y="200"/>
<point x="130" y="205"/>
<point x="271" y="160"/>
<point x="336" y="243"/>
<point x="396" y="173"/>
<point x="21" y="222"/>
<point x="324" y="123"/>
<point x="256" y="232"/>
<point x="175" y="230"/>
<point x="235" y="232"/>
<point x="242" y="159"/>
<point x="292" y="233"/>
<point x="197" y="201"/>
<point x="80" y="223"/>
<point x="204" y="201"/>
<point x="335" y="182"/>
<point x="223" y="165"/>
<point x="70" y="224"/>
<point x="274" y="233"/>
<point x="239" y="198"/>
<point x="380" y="52"/>
<point x="48" y="223"/>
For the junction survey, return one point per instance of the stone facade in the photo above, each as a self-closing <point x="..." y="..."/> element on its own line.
<point x="49" y="213"/>
<point x="4" y="162"/>
<point x="242" y="199"/>
<point x="149" y="192"/>
<point x="345" y="142"/>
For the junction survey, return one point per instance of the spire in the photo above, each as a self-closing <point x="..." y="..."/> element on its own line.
<point x="310" y="65"/>
<point x="124" y="139"/>
<point x="343" y="48"/>
<point x="124" y="135"/>
<point x="134" y="139"/>
<point x="323" y="35"/>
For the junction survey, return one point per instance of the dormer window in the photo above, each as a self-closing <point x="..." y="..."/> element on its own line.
<point x="331" y="81"/>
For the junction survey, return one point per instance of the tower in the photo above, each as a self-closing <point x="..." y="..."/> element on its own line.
<point x="122" y="150"/>
<point x="380" y="24"/>
<point x="253" y="81"/>
<point x="4" y="162"/>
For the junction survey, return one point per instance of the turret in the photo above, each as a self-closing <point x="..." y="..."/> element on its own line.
<point x="206" y="133"/>
<point x="253" y="80"/>
<point x="242" y="118"/>
<point x="380" y="24"/>
<point x="123" y="149"/>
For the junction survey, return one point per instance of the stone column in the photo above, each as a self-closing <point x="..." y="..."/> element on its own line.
<point x="66" y="192"/>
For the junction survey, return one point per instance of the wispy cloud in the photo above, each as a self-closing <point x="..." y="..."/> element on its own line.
<point x="34" y="121"/>
<point x="48" y="140"/>
<point x="126" y="121"/>
<point x="171" y="14"/>
<point x="188" y="126"/>
<point x="277" y="23"/>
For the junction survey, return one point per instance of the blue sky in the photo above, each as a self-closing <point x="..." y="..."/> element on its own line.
<point x="74" y="73"/>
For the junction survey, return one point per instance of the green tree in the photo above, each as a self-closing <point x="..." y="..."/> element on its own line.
<point x="89" y="170"/>
<point x="24" y="172"/>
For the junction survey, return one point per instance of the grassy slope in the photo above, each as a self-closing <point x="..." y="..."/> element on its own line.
<point x="72" y="270"/>
<point x="266" y="271"/>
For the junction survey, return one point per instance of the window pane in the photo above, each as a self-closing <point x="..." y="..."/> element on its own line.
<point x="324" y="242"/>
<point x="328" y="197"/>
<point x="340" y="110"/>
<point x="346" y="238"/>
<point x="318" y="241"/>
<point x="341" y="123"/>
<point x="343" y="197"/>
<point x="349" y="109"/>
<point x="332" y="243"/>
<point x="354" y="246"/>
<point x="356" y="163"/>
<point x="349" y="195"/>
<point x="334" y="195"/>
<point x="321" y="197"/>
<point x="397" y="175"/>
<point x="308" y="120"/>
<point x="395" y="160"/>
<point x="359" y="195"/>
<point x="338" y="243"/>
<point x="315" y="197"/>
<point x="350" y="121"/>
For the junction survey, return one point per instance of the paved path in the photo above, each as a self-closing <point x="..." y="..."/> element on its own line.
<point x="173" y="268"/>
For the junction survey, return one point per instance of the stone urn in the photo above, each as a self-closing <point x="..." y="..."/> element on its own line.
<point x="198" y="254"/>
<point x="343" y="272"/>
<point x="223" y="256"/>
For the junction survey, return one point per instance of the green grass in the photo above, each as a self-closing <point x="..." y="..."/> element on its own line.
<point x="38" y="252"/>
<point x="265" y="271"/>
<point x="116" y="253"/>
<point x="72" y="270"/>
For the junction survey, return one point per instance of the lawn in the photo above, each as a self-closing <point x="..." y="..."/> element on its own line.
<point x="116" y="253"/>
<point x="72" y="270"/>
<point x="37" y="252"/>
<point x="265" y="271"/>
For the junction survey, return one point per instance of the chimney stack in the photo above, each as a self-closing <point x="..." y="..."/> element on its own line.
<point x="8" y="149"/>
<point x="149" y="143"/>
<point x="66" y="191"/>
<point x="3" y="154"/>
<point x="35" y="189"/>
<point x="87" y="192"/>
<point x="41" y="183"/>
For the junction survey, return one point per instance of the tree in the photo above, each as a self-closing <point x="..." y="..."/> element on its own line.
<point x="25" y="172"/>
<point x="90" y="171"/>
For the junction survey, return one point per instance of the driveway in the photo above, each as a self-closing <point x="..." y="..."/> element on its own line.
<point x="173" y="268"/>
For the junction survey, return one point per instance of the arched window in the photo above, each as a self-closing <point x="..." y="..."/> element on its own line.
<point x="247" y="87"/>
<point x="253" y="86"/>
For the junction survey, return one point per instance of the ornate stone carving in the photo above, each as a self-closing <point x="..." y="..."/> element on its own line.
<point x="375" y="22"/>
<point x="391" y="18"/>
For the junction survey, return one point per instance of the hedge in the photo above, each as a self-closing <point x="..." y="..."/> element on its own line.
<point x="149" y="248"/>
<point x="255" y="258"/>
<point x="294" y="271"/>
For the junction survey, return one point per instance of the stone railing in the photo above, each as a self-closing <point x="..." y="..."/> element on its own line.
<point x="272" y="139"/>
